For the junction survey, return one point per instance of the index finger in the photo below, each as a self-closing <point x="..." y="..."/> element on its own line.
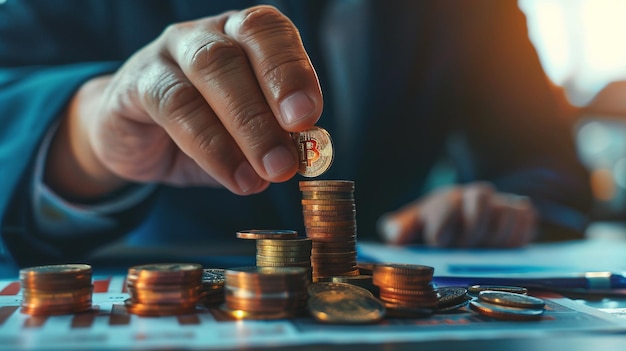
<point x="283" y="69"/>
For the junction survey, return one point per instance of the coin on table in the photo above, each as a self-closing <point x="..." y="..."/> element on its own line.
<point x="476" y="289"/>
<point x="320" y="287"/>
<point x="345" y="306"/>
<point x="256" y="234"/>
<point x="510" y="299"/>
<point x="315" y="151"/>
<point x="505" y="312"/>
<point x="451" y="298"/>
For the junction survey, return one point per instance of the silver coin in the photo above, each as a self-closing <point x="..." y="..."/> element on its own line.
<point x="505" y="312"/>
<point x="510" y="299"/>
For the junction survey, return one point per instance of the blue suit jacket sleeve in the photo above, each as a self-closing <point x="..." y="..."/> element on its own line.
<point x="37" y="79"/>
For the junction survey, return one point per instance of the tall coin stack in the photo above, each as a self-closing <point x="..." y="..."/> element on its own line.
<point x="329" y="214"/>
<point x="406" y="289"/>
<point x="163" y="289"/>
<point x="56" y="289"/>
<point x="284" y="253"/>
<point x="266" y="292"/>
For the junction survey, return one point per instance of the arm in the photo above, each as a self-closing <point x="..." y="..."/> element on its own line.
<point x="519" y="173"/>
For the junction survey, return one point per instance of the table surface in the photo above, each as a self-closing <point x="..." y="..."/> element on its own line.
<point x="21" y="331"/>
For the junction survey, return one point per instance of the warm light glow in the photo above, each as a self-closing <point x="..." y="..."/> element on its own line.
<point x="602" y="184"/>
<point x="580" y="42"/>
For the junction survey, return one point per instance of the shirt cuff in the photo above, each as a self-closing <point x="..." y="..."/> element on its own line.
<point x="59" y="218"/>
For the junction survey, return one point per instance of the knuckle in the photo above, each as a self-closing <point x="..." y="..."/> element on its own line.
<point x="216" y="54"/>
<point x="251" y="118"/>
<point x="260" y="19"/>
<point x="173" y="97"/>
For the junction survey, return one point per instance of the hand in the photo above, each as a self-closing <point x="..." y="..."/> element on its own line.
<point x="464" y="216"/>
<point x="209" y="102"/>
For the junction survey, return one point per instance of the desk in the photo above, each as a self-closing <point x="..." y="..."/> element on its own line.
<point x="569" y="324"/>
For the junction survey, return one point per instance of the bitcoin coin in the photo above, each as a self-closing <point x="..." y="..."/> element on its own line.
<point x="315" y="151"/>
<point x="345" y="307"/>
<point x="510" y="299"/>
<point x="504" y="312"/>
<point x="256" y="234"/>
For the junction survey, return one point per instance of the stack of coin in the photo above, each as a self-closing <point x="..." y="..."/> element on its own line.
<point x="163" y="289"/>
<point x="406" y="289"/>
<point x="265" y="292"/>
<point x="508" y="306"/>
<point x="329" y="214"/>
<point x="284" y="253"/>
<point x="56" y="289"/>
<point x="212" y="288"/>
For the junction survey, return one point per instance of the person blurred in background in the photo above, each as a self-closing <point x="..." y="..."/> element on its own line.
<point x="168" y="122"/>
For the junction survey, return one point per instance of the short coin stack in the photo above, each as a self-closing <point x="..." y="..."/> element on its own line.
<point x="508" y="306"/>
<point x="56" y="289"/>
<point x="406" y="289"/>
<point x="329" y="212"/>
<point x="212" y="288"/>
<point x="163" y="289"/>
<point x="284" y="253"/>
<point x="265" y="292"/>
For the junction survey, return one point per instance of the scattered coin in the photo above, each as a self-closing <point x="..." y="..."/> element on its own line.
<point x="315" y="151"/>
<point x="505" y="312"/>
<point x="451" y="298"/>
<point x="345" y="306"/>
<point x="510" y="299"/>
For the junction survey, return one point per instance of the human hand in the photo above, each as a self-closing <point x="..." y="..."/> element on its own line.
<point x="209" y="102"/>
<point x="474" y="215"/>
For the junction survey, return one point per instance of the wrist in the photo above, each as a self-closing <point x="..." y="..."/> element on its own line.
<point x="72" y="168"/>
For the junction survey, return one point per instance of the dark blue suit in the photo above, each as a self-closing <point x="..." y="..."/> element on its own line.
<point x="399" y="82"/>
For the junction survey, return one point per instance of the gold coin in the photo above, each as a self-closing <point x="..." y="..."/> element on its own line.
<point x="266" y="234"/>
<point x="320" y="287"/>
<point x="343" y="306"/>
<point x="315" y="151"/>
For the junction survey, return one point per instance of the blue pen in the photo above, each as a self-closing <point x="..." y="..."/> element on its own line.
<point x="584" y="281"/>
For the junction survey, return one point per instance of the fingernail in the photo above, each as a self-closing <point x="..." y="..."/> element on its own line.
<point x="246" y="177"/>
<point x="277" y="161"/>
<point x="390" y="229"/>
<point x="295" y="107"/>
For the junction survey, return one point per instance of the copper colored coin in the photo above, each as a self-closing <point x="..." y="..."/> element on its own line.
<point x="247" y="315"/>
<point x="256" y="234"/>
<point x="317" y="288"/>
<point x="315" y="151"/>
<point x="343" y="184"/>
<point x="400" y="311"/>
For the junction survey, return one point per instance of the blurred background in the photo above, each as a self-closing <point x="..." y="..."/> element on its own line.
<point x="582" y="46"/>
